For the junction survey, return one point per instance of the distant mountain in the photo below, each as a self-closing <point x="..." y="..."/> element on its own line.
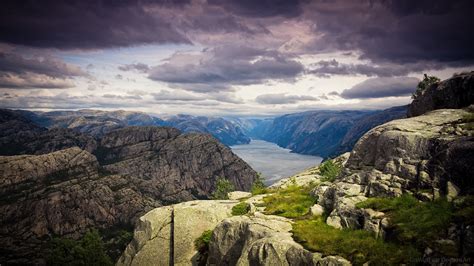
<point x="324" y="133"/>
<point x="229" y="132"/>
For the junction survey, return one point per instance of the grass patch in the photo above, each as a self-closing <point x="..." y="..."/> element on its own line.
<point x="414" y="221"/>
<point x="329" y="170"/>
<point x="202" y="242"/>
<point x="290" y="202"/>
<point x="258" y="187"/>
<point x="223" y="187"/>
<point x="241" y="209"/>
<point x="358" y="246"/>
<point x="469" y="120"/>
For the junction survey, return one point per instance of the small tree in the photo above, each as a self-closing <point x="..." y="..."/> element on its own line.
<point x="427" y="82"/>
<point x="223" y="186"/>
<point x="258" y="187"/>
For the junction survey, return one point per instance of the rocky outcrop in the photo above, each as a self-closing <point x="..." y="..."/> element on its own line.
<point x="156" y="232"/>
<point x="261" y="240"/>
<point x="429" y="156"/>
<point x="453" y="93"/>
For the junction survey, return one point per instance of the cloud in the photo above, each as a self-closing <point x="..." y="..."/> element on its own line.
<point x="395" y="31"/>
<point x="139" y="67"/>
<point x="382" y="87"/>
<point x="327" y="68"/>
<point x="31" y="81"/>
<point x="86" y="24"/>
<point x="218" y="68"/>
<point x="282" y="98"/>
<point x="165" y="95"/>
<point x="266" y="8"/>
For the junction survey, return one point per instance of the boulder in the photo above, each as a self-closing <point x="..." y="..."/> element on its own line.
<point x="453" y="93"/>
<point x="236" y="195"/>
<point x="261" y="240"/>
<point x="152" y="236"/>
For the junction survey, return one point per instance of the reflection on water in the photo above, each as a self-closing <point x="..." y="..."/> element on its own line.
<point x="273" y="161"/>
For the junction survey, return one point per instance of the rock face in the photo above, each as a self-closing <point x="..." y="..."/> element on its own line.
<point x="152" y="236"/>
<point x="131" y="171"/>
<point x="456" y="92"/>
<point x="261" y="240"/>
<point x="428" y="155"/>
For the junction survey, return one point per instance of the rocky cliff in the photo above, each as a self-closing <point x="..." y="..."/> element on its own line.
<point x="130" y="171"/>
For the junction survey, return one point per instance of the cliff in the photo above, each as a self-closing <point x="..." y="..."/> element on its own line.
<point x="129" y="172"/>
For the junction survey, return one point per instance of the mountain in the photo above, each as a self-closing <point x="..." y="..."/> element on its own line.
<point x="65" y="191"/>
<point x="226" y="131"/>
<point x="324" y="133"/>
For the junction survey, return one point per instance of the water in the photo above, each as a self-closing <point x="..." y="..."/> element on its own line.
<point x="273" y="161"/>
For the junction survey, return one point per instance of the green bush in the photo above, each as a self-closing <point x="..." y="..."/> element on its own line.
<point x="241" y="209"/>
<point x="358" y="246"/>
<point x="414" y="221"/>
<point x="87" y="251"/>
<point x="202" y="243"/>
<point x="329" y="170"/>
<point x="223" y="187"/>
<point x="290" y="202"/>
<point x="427" y="82"/>
<point x="258" y="187"/>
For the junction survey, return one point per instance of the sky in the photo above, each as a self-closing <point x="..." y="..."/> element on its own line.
<point x="222" y="57"/>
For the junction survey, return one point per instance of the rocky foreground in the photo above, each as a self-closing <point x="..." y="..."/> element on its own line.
<point x="426" y="160"/>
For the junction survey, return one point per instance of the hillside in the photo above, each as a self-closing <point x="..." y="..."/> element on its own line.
<point x="65" y="190"/>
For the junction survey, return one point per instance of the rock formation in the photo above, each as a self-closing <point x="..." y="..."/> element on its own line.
<point x="66" y="192"/>
<point x="453" y="93"/>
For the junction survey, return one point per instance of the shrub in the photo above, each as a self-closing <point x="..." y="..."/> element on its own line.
<point x="223" y="186"/>
<point x="202" y="243"/>
<point x="258" y="187"/>
<point x="329" y="170"/>
<point x="431" y="217"/>
<point x="87" y="251"/>
<point x="427" y="82"/>
<point x="358" y="246"/>
<point x="290" y="202"/>
<point x="241" y="208"/>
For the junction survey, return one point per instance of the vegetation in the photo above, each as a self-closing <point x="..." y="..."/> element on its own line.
<point x="223" y="187"/>
<point x="358" y="246"/>
<point x="116" y="240"/>
<point x="427" y="82"/>
<point x="329" y="170"/>
<point x="241" y="209"/>
<point x="290" y="202"/>
<point x="431" y="217"/>
<point x="468" y="119"/>
<point x="202" y="243"/>
<point x="87" y="251"/>
<point x="258" y="187"/>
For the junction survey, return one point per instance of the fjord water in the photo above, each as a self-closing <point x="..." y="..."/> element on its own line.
<point x="272" y="161"/>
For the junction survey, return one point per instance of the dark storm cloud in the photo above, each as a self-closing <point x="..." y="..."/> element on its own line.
<point x="85" y="24"/>
<point x="216" y="69"/>
<point x="327" y="68"/>
<point x="262" y="8"/>
<point x="397" y="31"/>
<point x="45" y="65"/>
<point x="382" y="87"/>
<point x="140" y="67"/>
<point x="282" y="98"/>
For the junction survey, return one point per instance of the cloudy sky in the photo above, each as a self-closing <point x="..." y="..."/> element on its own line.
<point x="222" y="57"/>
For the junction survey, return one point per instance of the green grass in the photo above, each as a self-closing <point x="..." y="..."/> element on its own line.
<point x="329" y="170"/>
<point x="241" y="209"/>
<point x="469" y="120"/>
<point x="413" y="220"/>
<point x="358" y="246"/>
<point x="202" y="242"/>
<point x="258" y="187"/>
<point x="290" y="202"/>
<point x="223" y="187"/>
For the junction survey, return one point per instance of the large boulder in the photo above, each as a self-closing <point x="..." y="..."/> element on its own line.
<point x="261" y="240"/>
<point x="153" y="233"/>
<point x="453" y="93"/>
